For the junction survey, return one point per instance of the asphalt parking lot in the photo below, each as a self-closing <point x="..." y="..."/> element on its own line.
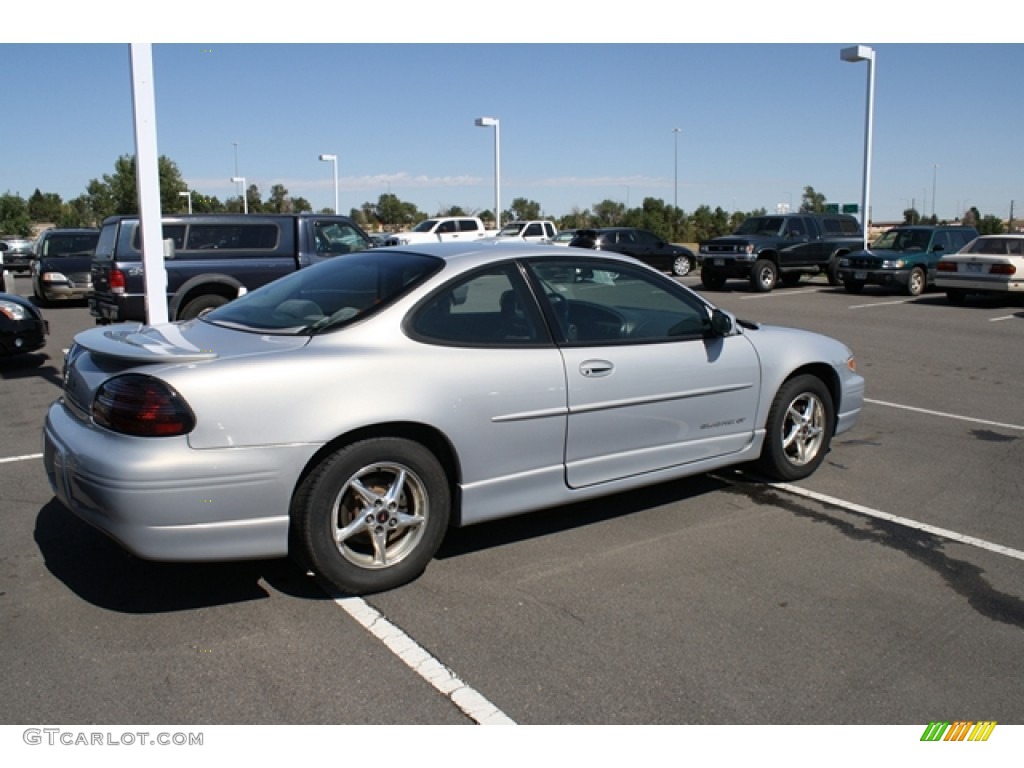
<point x="887" y="588"/>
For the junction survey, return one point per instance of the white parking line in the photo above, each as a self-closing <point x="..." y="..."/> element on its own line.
<point x="945" y="415"/>
<point x="878" y="304"/>
<point x="1004" y="317"/>
<point x="475" y="706"/>
<point x="26" y="457"/>
<point x="905" y="522"/>
<point x="777" y="295"/>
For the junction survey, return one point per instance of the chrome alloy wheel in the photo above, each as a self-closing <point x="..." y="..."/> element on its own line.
<point x="380" y="515"/>
<point x="804" y="429"/>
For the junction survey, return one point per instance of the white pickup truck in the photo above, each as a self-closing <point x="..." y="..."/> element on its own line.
<point x="527" y="232"/>
<point x="441" y="229"/>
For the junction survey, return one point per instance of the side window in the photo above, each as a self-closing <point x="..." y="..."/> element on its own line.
<point x="549" y="230"/>
<point x="596" y="305"/>
<point x="334" y="237"/>
<point x="533" y="230"/>
<point x="491" y="309"/>
<point x="231" y="236"/>
<point x="446" y="227"/>
<point x="468" y="225"/>
<point x="175" y="232"/>
<point x="941" y="242"/>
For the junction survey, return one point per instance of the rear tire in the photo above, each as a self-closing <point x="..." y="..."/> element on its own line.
<point x="682" y="266"/>
<point x="200" y="304"/>
<point x="799" y="429"/>
<point x="371" y="516"/>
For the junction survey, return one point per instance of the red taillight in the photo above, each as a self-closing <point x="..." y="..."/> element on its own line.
<point x="946" y="266"/>
<point x="1002" y="269"/>
<point x="116" y="281"/>
<point x="139" y="405"/>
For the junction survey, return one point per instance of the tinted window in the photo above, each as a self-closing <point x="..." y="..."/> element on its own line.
<point x="468" y="225"/>
<point x="232" y="236"/>
<point x="446" y="227"/>
<point x="175" y="232"/>
<point x="491" y="308"/>
<point x="597" y="304"/>
<point x="70" y="245"/>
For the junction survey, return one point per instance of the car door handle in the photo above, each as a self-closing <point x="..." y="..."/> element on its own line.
<point x="593" y="369"/>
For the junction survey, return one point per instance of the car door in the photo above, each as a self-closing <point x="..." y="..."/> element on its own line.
<point x="648" y="387"/>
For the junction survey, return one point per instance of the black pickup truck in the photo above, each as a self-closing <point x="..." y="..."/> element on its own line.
<point x="214" y="258"/>
<point x="780" y="247"/>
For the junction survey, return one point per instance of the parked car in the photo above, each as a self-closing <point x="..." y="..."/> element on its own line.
<point x="903" y="257"/>
<point x="61" y="264"/>
<point x="349" y="413"/>
<point x="22" y="326"/>
<point x="990" y="264"/>
<point x="640" y="244"/>
<point x="213" y="257"/>
<point x="441" y="229"/>
<point x="17" y="254"/>
<point x="527" y="231"/>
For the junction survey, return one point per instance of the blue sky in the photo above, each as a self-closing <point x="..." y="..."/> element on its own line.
<point x="580" y="123"/>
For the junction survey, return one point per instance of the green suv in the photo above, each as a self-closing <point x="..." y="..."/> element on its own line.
<point x="903" y="257"/>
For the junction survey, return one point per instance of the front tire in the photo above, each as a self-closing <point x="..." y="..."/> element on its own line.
<point x="916" y="282"/>
<point x="764" y="275"/>
<point x="371" y="516"/>
<point x="799" y="429"/>
<point x="682" y="266"/>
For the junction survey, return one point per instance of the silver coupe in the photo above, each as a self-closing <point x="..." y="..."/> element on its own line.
<point x="349" y="413"/>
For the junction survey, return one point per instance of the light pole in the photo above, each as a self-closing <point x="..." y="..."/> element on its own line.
<point x="334" y="160"/>
<point x="675" y="138"/>
<point x="935" y="172"/>
<point x="240" y="180"/>
<point x="187" y="193"/>
<point x="864" y="53"/>
<point x="487" y="122"/>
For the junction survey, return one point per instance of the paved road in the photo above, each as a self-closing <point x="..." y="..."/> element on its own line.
<point x="886" y="589"/>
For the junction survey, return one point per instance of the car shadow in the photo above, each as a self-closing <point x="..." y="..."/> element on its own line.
<point x="532" y="525"/>
<point x="100" y="572"/>
<point x="31" y="365"/>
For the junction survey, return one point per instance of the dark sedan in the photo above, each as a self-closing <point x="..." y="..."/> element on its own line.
<point x="641" y="245"/>
<point x="22" y="327"/>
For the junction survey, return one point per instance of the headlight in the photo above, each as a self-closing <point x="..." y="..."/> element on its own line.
<point x="53" y="277"/>
<point x="894" y="263"/>
<point x="844" y="262"/>
<point x="13" y="310"/>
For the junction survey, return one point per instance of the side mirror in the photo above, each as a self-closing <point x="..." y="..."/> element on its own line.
<point x="721" y="323"/>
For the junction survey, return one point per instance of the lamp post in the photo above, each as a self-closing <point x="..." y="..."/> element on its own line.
<point x="187" y="193"/>
<point x="675" y="138"/>
<point x="240" y="180"/>
<point x="935" y="172"/>
<point x="854" y="54"/>
<point x="487" y="122"/>
<point x="334" y="160"/>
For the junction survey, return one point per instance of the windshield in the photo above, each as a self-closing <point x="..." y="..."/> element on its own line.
<point x="425" y="226"/>
<point x="513" y="228"/>
<point x="903" y="240"/>
<point x="70" y="245"/>
<point x="326" y="296"/>
<point x="761" y="225"/>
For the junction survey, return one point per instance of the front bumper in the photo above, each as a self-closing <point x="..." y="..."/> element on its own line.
<point x="883" y="277"/>
<point x="163" y="500"/>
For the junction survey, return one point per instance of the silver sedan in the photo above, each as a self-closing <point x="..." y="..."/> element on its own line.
<point x="350" y="413"/>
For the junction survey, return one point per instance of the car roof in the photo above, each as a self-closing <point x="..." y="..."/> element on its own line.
<point x="473" y="253"/>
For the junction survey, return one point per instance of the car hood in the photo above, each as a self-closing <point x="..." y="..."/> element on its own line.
<point x="188" y="342"/>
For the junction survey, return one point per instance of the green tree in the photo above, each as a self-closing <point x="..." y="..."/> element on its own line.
<point x="524" y="210"/>
<point x="44" y="207"/>
<point x="811" y="201"/>
<point x="76" y="213"/>
<point x="911" y="216"/>
<point x="990" y="225"/>
<point x="706" y="224"/>
<point x="117" y="192"/>
<point x="14" y="218"/>
<point x="279" y="201"/>
<point x="609" y="213"/>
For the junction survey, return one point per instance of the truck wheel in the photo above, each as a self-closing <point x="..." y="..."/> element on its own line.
<point x="832" y="272"/>
<point x="799" y="429"/>
<point x="764" y="275"/>
<point x="853" y="286"/>
<point x="713" y="281"/>
<point x="371" y="516"/>
<point x="200" y="304"/>
<point x="917" y="282"/>
<point x="681" y="266"/>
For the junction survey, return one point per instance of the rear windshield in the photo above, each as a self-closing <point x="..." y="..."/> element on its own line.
<point x="330" y="295"/>
<point x="70" y="245"/>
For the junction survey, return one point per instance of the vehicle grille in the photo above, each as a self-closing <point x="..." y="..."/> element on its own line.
<point x="720" y="248"/>
<point x="864" y="262"/>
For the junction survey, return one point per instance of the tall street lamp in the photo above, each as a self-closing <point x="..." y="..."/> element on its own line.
<point x="187" y="193"/>
<point x="935" y="171"/>
<point x="487" y="122"/>
<point x="864" y="53"/>
<point x="240" y="180"/>
<point x="334" y="160"/>
<point x="675" y="138"/>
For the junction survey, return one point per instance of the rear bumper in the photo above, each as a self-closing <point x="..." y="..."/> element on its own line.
<point x="979" y="284"/>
